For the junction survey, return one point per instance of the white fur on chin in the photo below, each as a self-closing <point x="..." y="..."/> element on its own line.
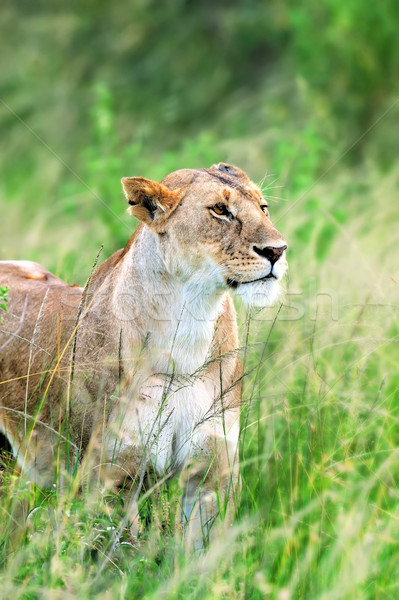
<point x="260" y="294"/>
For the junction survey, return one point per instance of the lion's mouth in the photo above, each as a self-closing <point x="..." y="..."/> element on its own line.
<point x="234" y="284"/>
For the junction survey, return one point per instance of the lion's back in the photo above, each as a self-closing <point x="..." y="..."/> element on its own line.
<point x="35" y="332"/>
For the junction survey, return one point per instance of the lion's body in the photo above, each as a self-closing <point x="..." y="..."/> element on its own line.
<point x="34" y="335"/>
<point x="156" y="372"/>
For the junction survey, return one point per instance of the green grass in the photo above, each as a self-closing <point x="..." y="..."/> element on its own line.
<point x="318" y="516"/>
<point x="304" y="98"/>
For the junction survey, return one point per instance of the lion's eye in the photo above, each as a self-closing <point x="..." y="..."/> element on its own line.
<point x="221" y="210"/>
<point x="264" y="207"/>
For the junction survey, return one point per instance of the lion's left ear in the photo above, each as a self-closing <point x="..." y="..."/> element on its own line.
<point x="150" y="202"/>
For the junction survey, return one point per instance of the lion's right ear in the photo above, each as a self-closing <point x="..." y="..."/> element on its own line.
<point x="150" y="202"/>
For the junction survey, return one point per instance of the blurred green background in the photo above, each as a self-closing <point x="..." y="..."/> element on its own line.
<point x="304" y="96"/>
<point x="92" y="91"/>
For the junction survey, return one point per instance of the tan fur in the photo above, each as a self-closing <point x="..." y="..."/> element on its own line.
<point x="156" y="373"/>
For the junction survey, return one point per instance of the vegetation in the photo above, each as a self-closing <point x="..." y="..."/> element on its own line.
<point x="304" y="97"/>
<point x="3" y="297"/>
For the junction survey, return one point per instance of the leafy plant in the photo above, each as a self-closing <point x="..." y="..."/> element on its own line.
<point x="3" y="298"/>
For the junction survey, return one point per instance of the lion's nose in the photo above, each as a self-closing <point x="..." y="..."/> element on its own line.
<point x="272" y="254"/>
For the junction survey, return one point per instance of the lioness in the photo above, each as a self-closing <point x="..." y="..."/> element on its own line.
<point x="144" y="368"/>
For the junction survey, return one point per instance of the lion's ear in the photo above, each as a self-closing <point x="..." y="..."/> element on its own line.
<point x="150" y="202"/>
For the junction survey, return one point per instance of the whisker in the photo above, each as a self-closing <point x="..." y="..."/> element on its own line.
<point x="278" y="198"/>
<point x="265" y="176"/>
<point x="271" y="183"/>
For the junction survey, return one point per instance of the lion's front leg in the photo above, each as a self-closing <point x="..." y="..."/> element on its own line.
<point x="137" y="441"/>
<point x="210" y="484"/>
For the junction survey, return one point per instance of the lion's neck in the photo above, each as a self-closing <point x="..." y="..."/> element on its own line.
<point x="171" y="306"/>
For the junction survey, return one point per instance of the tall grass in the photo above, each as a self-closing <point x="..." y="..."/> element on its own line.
<point x="302" y="96"/>
<point x="318" y="516"/>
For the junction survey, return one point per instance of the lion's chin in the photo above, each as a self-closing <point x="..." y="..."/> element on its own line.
<point x="260" y="294"/>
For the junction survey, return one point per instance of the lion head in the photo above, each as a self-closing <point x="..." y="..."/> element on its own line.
<point x="214" y="222"/>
